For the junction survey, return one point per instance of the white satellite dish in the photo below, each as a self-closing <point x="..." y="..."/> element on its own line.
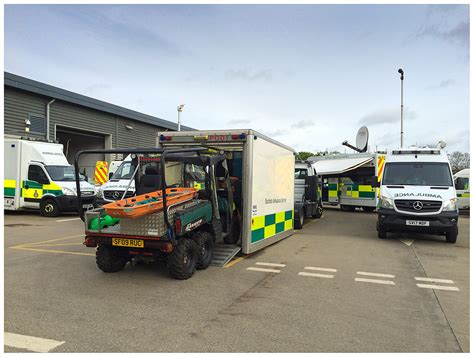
<point x="362" y="139"/>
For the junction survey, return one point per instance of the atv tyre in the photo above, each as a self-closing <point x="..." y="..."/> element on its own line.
<point x="182" y="261"/>
<point x="205" y="243"/>
<point x="110" y="259"/>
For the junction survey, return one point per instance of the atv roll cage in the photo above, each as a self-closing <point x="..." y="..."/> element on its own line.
<point x="183" y="155"/>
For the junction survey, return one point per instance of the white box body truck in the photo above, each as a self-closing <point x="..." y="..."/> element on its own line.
<point x="263" y="170"/>
<point x="417" y="194"/>
<point x="37" y="175"/>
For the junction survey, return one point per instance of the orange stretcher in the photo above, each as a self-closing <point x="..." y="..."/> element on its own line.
<point x="148" y="203"/>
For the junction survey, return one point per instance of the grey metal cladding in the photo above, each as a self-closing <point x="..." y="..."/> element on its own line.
<point x="18" y="105"/>
<point x="15" y="81"/>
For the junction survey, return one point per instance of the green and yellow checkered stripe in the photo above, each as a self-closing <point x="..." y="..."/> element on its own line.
<point x="9" y="188"/>
<point x="333" y="190"/>
<point x="464" y="195"/>
<point x="267" y="226"/>
<point x="359" y="191"/>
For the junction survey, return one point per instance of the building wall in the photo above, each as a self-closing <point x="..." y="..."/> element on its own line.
<point x="20" y="104"/>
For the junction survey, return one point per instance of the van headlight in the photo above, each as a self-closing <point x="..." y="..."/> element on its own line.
<point x="386" y="202"/>
<point x="450" y="205"/>
<point x="69" y="191"/>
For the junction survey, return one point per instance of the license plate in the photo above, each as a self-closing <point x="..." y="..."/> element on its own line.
<point x="131" y="243"/>
<point x="88" y="206"/>
<point x="418" y="223"/>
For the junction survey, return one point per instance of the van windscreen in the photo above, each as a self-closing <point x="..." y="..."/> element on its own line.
<point x="417" y="174"/>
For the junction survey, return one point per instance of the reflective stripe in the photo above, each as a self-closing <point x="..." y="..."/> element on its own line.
<point x="101" y="172"/>
<point x="267" y="226"/>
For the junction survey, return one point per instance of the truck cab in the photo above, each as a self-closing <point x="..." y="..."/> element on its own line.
<point x="307" y="193"/>
<point x="417" y="194"/>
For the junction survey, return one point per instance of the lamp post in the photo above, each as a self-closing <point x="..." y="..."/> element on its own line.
<point x="180" y="109"/>
<point x="401" y="106"/>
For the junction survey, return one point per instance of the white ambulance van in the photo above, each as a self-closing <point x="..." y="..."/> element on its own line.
<point x="461" y="183"/>
<point x="417" y="194"/>
<point x="38" y="176"/>
<point x="114" y="189"/>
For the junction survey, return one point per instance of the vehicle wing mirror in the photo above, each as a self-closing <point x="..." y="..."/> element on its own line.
<point x="374" y="182"/>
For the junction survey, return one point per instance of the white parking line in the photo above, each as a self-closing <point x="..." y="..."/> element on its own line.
<point x="437" y="287"/>
<point x="278" y="265"/>
<point x="264" y="270"/>
<point x="376" y="274"/>
<point x="321" y="269"/>
<point x="30" y="343"/>
<point x="315" y="275"/>
<point x="432" y="280"/>
<point x="67" y="219"/>
<point x="375" y="281"/>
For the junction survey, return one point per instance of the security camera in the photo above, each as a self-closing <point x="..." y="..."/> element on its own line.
<point x="27" y="123"/>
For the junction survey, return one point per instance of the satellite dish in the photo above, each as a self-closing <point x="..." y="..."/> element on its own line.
<point x="362" y="139"/>
<point x="441" y="144"/>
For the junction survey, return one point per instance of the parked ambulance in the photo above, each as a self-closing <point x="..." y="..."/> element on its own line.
<point x="417" y="194"/>
<point x="118" y="183"/>
<point x="461" y="183"/>
<point x="38" y="176"/>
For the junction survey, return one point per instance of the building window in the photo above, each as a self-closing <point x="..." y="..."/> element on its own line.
<point x="38" y="124"/>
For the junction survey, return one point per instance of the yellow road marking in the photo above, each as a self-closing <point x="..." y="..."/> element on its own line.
<point x="52" y="251"/>
<point x="53" y="245"/>
<point x="235" y="261"/>
<point x="46" y="241"/>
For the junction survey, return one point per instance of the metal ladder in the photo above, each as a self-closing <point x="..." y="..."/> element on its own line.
<point x="223" y="253"/>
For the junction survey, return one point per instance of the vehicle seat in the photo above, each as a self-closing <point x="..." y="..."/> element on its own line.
<point x="149" y="182"/>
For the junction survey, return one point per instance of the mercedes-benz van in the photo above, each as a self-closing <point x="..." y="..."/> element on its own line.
<point x="417" y="194"/>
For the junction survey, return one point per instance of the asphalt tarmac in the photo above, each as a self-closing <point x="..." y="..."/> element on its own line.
<point x="331" y="287"/>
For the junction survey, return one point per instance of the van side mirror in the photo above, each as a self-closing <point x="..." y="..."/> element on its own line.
<point x="373" y="181"/>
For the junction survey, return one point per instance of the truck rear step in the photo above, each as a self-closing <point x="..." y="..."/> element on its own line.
<point x="223" y="253"/>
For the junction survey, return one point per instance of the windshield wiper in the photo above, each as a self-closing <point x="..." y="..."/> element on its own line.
<point x="439" y="187"/>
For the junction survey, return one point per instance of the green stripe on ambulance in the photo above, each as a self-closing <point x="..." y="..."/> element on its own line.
<point x="267" y="226"/>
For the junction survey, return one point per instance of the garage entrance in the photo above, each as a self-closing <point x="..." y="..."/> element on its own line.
<point x="74" y="140"/>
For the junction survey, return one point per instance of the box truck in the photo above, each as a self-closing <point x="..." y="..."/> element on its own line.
<point x="38" y="176"/>
<point x="242" y="199"/>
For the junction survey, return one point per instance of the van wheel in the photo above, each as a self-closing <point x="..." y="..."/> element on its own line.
<point x="319" y="212"/>
<point x="348" y="208"/>
<point x="49" y="208"/>
<point x="299" y="219"/>
<point x="182" y="260"/>
<point x="452" y="236"/>
<point x="205" y="244"/>
<point x="382" y="233"/>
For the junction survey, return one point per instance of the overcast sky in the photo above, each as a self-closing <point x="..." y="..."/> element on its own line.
<point x="306" y="75"/>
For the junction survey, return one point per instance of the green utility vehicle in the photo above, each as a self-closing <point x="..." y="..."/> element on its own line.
<point x="182" y="233"/>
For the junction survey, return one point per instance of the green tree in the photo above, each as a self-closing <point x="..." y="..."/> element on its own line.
<point x="303" y="155"/>
<point x="459" y="161"/>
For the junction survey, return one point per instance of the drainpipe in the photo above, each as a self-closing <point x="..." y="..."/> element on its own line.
<point x="47" y="118"/>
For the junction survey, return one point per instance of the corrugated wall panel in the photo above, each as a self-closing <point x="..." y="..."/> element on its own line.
<point x="18" y="105"/>
<point x="142" y="135"/>
<point x="74" y="116"/>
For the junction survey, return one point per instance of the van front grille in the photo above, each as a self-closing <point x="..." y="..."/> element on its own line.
<point x="418" y="206"/>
